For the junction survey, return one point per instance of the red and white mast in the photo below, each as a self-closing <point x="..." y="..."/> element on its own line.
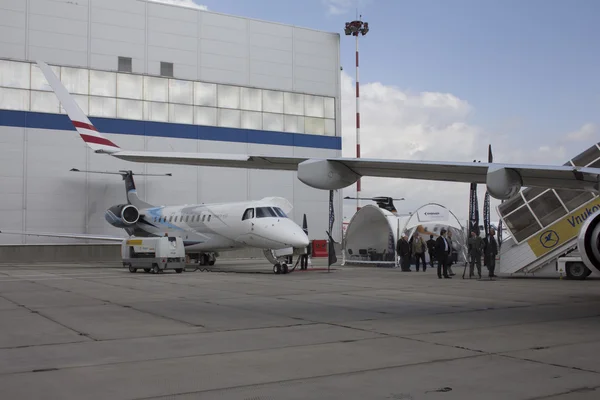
<point x="355" y="28"/>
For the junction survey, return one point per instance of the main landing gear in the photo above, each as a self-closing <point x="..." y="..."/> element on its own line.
<point x="280" y="268"/>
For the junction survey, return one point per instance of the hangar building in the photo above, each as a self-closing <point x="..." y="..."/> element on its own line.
<point x="158" y="77"/>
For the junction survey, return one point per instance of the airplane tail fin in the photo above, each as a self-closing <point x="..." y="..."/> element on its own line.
<point x="130" y="189"/>
<point x="88" y="132"/>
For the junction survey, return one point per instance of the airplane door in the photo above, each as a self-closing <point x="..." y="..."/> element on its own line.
<point x="248" y="226"/>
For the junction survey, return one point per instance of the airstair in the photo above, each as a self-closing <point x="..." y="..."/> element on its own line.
<point x="544" y="224"/>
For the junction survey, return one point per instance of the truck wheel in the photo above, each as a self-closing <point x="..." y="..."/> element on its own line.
<point x="179" y="270"/>
<point x="132" y="270"/>
<point x="147" y="270"/>
<point x="576" y="271"/>
<point x="155" y="269"/>
<point x="211" y="262"/>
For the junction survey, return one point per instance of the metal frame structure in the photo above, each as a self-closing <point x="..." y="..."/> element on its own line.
<point x="527" y="203"/>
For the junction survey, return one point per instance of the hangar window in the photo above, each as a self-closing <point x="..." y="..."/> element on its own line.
<point x="166" y="69"/>
<point x="248" y="214"/>
<point x="125" y="64"/>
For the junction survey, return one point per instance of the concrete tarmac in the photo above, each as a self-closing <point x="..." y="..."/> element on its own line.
<point x="96" y="331"/>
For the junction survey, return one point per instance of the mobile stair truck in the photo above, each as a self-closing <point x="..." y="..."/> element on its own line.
<point x="153" y="254"/>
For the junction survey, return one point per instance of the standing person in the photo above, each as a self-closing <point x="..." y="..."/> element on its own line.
<point x="491" y="250"/>
<point x="418" y="249"/>
<point x="403" y="249"/>
<point x="442" y="248"/>
<point x="431" y="249"/>
<point x="451" y="253"/>
<point x="475" y="246"/>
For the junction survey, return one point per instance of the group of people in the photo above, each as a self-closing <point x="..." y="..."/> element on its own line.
<point x="444" y="251"/>
<point x="441" y="250"/>
<point x="488" y="248"/>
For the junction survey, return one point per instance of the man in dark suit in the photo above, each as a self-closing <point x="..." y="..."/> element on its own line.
<point x="431" y="249"/>
<point x="442" y="250"/>
<point x="490" y="252"/>
<point x="403" y="250"/>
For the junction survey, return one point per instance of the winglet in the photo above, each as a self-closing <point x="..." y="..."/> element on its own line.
<point x="88" y="132"/>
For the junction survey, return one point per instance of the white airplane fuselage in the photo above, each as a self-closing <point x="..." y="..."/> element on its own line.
<point x="225" y="226"/>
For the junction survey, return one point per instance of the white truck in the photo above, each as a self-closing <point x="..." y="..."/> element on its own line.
<point x="153" y="254"/>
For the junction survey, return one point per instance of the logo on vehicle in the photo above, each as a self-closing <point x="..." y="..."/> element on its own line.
<point x="549" y="239"/>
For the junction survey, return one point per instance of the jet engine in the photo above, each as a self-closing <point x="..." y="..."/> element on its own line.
<point x="588" y="240"/>
<point x="122" y="215"/>
<point x="503" y="183"/>
<point x="326" y="175"/>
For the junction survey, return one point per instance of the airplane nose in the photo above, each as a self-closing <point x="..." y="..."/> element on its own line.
<point x="295" y="236"/>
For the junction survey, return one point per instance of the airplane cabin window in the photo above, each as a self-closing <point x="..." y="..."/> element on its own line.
<point x="203" y="217"/>
<point x="209" y="218"/>
<point x="248" y="214"/>
<point x="187" y="217"/>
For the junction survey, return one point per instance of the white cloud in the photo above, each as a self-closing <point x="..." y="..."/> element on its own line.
<point x="397" y="124"/>
<point x="182" y="3"/>
<point x="586" y="133"/>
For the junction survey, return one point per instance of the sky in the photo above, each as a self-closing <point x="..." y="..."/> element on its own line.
<point x="442" y="79"/>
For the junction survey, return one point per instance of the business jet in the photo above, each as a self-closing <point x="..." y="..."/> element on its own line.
<point x="206" y="229"/>
<point x="502" y="180"/>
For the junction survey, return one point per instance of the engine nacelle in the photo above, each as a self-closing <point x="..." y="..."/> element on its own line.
<point x="326" y="175"/>
<point x="503" y="183"/>
<point x="588" y="240"/>
<point x="122" y="215"/>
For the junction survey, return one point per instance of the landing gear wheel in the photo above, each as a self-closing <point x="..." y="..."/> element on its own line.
<point x="155" y="269"/>
<point x="211" y="262"/>
<point x="277" y="269"/>
<point x="179" y="270"/>
<point x="147" y="270"/>
<point x="132" y="270"/>
<point x="577" y="271"/>
<point x="284" y="268"/>
<point x="204" y="260"/>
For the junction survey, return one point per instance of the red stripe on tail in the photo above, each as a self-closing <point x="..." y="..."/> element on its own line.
<point x="97" y="140"/>
<point x="83" y="125"/>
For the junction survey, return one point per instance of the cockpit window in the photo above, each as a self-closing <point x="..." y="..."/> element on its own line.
<point x="265" y="212"/>
<point x="280" y="212"/>
<point x="248" y="214"/>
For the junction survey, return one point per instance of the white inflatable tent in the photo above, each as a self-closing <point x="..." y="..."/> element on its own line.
<point x="372" y="233"/>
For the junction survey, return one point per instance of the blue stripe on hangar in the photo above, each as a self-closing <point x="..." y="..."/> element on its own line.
<point x="28" y="119"/>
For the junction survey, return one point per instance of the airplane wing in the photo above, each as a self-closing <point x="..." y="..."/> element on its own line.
<point x="548" y="176"/>
<point x="66" y="235"/>
<point x="503" y="180"/>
